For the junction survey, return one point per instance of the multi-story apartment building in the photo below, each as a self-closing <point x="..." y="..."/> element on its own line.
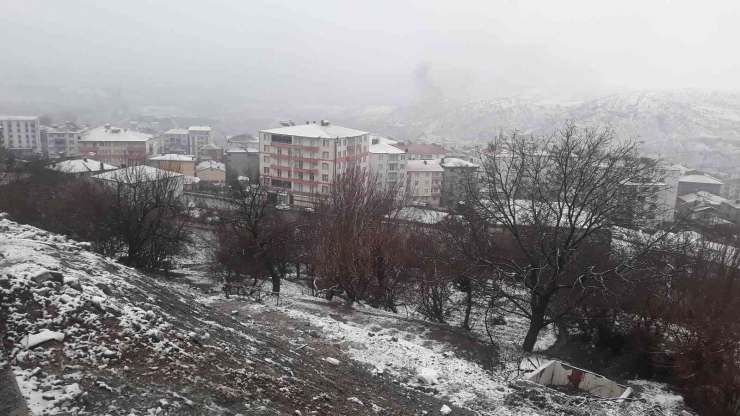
<point x="423" y="151"/>
<point x="21" y="135"/>
<point x="242" y="162"/>
<point x="304" y="160"/>
<point x="457" y="175"/>
<point x="388" y="163"/>
<point x="117" y="146"/>
<point x="199" y="136"/>
<point x="424" y="182"/>
<point x="176" y="141"/>
<point x="243" y="141"/>
<point x="63" y="141"/>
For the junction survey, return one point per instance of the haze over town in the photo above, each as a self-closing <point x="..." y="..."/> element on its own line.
<point x="370" y="208"/>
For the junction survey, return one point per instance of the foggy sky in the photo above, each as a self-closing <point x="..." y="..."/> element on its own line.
<point x="320" y="52"/>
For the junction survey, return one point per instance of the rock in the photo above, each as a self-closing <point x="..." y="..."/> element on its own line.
<point x="194" y="337"/>
<point x="86" y="399"/>
<point x="150" y="315"/>
<point x="448" y="354"/>
<point x="314" y="334"/>
<point x="498" y="320"/>
<point x="394" y="339"/>
<point x="73" y="283"/>
<point x="428" y="376"/>
<point x="48" y="396"/>
<point x="445" y="410"/>
<point x="65" y="299"/>
<point x="33" y="340"/>
<point x="331" y="360"/>
<point x="73" y="391"/>
<point x="110" y="354"/>
<point x="156" y="335"/>
<point x="342" y="346"/>
<point x="41" y="277"/>
<point x="57" y="276"/>
<point x="371" y="334"/>
<point x="5" y="282"/>
<point x="298" y="413"/>
<point x="104" y="287"/>
<point x="235" y="312"/>
<point x="66" y="404"/>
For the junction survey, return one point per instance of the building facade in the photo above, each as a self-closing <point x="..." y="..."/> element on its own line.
<point x="117" y="146"/>
<point x="424" y="182"/>
<point x="457" y="174"/>
<point x="423" y="151"/>
<point x="176" y="141"/>
<point x="242" y="162"/>
<point x="199" y="136"/>
<point x="184" y="164"/>
<point x="21" y="135"/>
<point x="63" y="141"/>
<point x="389" y="164"/>
<point x="304" y="160"/>
<point x="211" y="171"/>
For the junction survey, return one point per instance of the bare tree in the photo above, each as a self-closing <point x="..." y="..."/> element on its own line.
<point x="541" y="214"/>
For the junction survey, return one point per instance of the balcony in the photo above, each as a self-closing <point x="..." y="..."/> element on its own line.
<point x="288" y="157"/>
<point x="295" y="169"/>
<point x="294" y="146"/>
<point x="292" y="180"/>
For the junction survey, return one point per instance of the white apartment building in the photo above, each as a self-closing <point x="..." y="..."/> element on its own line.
<point x="21" y="134"/>
<point x="303" y="160"/>
<point x="176" y="141"/>
<point x="199" y="136"/>
<point x="424" y="182"/>
<point x="63" y="141"/>
<point x="117" y="146"/>
<point x="388" y="163"/>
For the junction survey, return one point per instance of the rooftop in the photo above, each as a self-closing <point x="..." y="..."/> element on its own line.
<point x="384" y="148"/>
<point x="114" y="134"/>
<point x="423" y="149"/>
<point x="700" y="179"/>
<point x="703" y="197"/>
<point x="177" y="131"/>
<point x="199" y="128"/>
<point x="81" y="166"/>
<point x="174" y="157"/>
<point x="453" y="162"/>
<point x="18" y="118"/>
<point x="242" y="150"/>
<point x="316" y="131"/>
<point x="423" y="166"/>
<point x="136" y="174"/>
<point x="210" y="164"/>
<point x="381" y="139"/>
<point x="210" y="147"/>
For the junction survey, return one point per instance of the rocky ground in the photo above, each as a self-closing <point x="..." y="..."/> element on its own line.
<point x="85" y="335"/>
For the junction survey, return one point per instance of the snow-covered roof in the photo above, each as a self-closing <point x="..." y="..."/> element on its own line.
<point x="114" y="134"/>
<point x="384" y="148"/>
<point x="316" y="131"/>
<point x="210" y="164"/>
<point x="70" y="128"/>
<point x="177" y="131"/>
<point x="423" y="166"/>
<point x="419" y="215"/>
<point x="210" y="147"/>
<point x="135" y="174"/>
<point x="453" y="162"/>
<point x="424" y="149"/>
<point x="699" y="179"/>
<point x="702" y="196"/>
<point x="199" y="128"/>
<point x="381" y="139"/>
<point x="81" y="166"/>
<point x="18" y="118"/>
<point x="189" y="180"/>
<point x="242" y="150"/>
<point x="174" y="158"/>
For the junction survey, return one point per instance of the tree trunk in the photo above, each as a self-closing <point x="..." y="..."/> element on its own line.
<point x="468" y="307"/>
<point x="275" y="283"/>
<point x="539" y="306"/>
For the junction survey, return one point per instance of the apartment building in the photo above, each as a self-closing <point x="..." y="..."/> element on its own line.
<point x="388" y="163"/>
<point x="20" y="134"/>
<point x="199" y="136"/>
<point x="424" y="182"/>
<point x="63" y="141"/>
<point x="243" y="141"/>
<point x="458" y="173"/>
<point x="117" y="146"/>
<point x="184" y="164"/>
<point x="211" y="171"/>
<point x="303" y="160"/>
<point x="242" y="163"/>
<point x="423" y="151"/>
<point x="176" y="141"/>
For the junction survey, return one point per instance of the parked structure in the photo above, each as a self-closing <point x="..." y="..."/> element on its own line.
<point x="82" y="167"/>
<point x="184" y="164"/>
<point x="199" y="136"/>
<point x="176" y="141"/>
<point x="63" y="141"/>
<point x="117" y="146"/>
<point x="424" y="182"/>
<point x="21" y="135"/>
<point x="305" y="159"/>
<point x="211" y="171"/>
<point x="457" y="173"/>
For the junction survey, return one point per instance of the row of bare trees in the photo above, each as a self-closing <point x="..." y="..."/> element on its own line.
<point x="564" y="229"/>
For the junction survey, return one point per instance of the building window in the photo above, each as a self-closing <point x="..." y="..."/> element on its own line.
<point x="416" y="183"/>
<point x="266" y="170"/>
<point x="325" y="155"/>
<point x="324" y="166"/>
<point x="267" y="148"/>
<point x="325" y="189"/>
<point x="266" y="159"/>
<point x="380" y="157"/>
<point x="325" y="178"/>
<point x="380" y="167"/>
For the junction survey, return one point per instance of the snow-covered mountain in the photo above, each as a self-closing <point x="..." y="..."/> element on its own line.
<point x="694" y="126"/>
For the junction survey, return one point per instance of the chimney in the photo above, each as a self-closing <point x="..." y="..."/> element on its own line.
<point x="84" y="159"/>
<point x="443" y="160"/>
<point x="107" y="126"/>
<point x="425" y="162"/>
<point x="101" y="166"/>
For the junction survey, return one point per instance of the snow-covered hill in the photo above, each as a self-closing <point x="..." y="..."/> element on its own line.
<point x="690" y="125"/>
